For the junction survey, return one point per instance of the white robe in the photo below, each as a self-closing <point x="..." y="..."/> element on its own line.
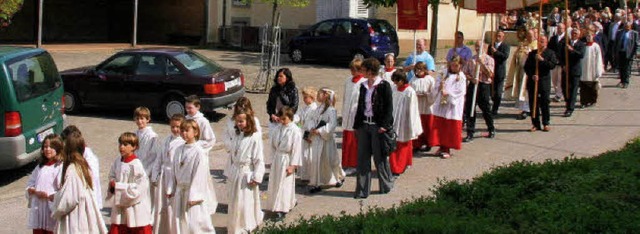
<point x="163" y="217"/>
<point x="326" y="168"/>
<point x="592" y="65"/>
<point x="406" y="118"/>
<point x="424" y="87"/>
<point x="94" y="165"/>
<point x="350" y="103"/>
<point x="455" y="85"/>
<point x="230" y="132"/>
<point x="207" y="139"/>
<point x="148" y="143"/>
<point x="192" y="182"/>
<point x="247" y="164"/>
<point x="131" y="204"/>
<point x="42" y="179"/>
<point x="75" y="207"/>
<point x="304" y="117"/>
<point x="287" y="151"/>
<point x="387" y="75"/>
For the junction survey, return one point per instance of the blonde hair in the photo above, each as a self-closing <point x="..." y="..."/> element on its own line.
<point x="190" y="123"/>
<point x="142" y="112"/>
<point x="309" y="91"/>
<point x="331" y="100"/>
<point x="356" y="64"/>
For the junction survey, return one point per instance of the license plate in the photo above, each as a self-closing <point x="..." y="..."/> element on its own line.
<point x="44" y="134"/>
<point x="231" y="84"/>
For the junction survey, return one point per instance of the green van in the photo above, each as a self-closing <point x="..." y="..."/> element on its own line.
<point x="30" y="101"/>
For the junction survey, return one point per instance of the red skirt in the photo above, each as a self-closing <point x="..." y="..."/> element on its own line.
<point x="402" y="157"/>
<point x="41" y="231"/>
<point x="349" y="149"/>
<point x="446" y="133"/>
<point x="123" y="229"/>
<point x="427" y="125"/>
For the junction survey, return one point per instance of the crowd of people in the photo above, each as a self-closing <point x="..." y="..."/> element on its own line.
<point x="164" y="186"/>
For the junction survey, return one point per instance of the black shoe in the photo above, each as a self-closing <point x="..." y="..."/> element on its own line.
<point x="522" y="116"/>
<point x="568" y="113"/>
<point x="492" y="134"/>
<point x="468" y="139"/>
<point x="280" y="216"/>
<point x="360" y="197"/>
<point x="494" y="113"/>
<point x="624" y="86"/>
<point x="315" y="189"/>
<point x="339" y="184"/>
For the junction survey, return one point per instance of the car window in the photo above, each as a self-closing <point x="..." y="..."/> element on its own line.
<point x="343" y="28"/>
<point x="121" y="65"/>
<point x="33" y="76"/>
<point x="323" y="29"/>
<point x="197" y="64"/>
<point x="151" y="65"/>
<point x="357" y="28"/>
<point x="172" y="69"/>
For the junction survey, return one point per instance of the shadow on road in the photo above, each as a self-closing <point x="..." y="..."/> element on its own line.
<point x="127" y="114"/>
<point x="9" y="176"/>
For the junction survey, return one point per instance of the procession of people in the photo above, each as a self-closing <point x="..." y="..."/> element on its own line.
<point x="388" y="114"/>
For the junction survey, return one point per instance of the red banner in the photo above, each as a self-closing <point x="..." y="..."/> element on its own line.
<point x="412" y="14"/>
<point x="491" y="6"/>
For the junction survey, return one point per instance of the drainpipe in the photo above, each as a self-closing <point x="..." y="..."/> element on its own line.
<point x="223" y="38"/>
<point x="40" y="13"/>
<point x="134" y="41"/>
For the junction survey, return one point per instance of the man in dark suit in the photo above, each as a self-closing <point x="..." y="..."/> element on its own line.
<point x="546" y="61"/>
<point x="611" y="32"/>
<point x="500" y="53"/>
<point x="626" y="48"/>
<point x="575" y="49"/>
<point x="556" y="44"/>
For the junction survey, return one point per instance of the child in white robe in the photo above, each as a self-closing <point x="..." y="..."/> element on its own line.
<point x="406" y="123"/>
<point x="423" y="84"/>
<point x="194" y="199"/>
<point x="303" y="119"/>
<point x="326" y="168"/>
<point x="245" y="174"/>
<point x="349" y="107"/>
<point x="287" y="151"/>
<point x="388" y="69"/>
<point x="74" y="204"/>
<point x="242" y="104"/>
<point x="42" y="184"/>
<point x="207" y="138"/>
<point x="163" y="217"/>
<point x="92" y="160"/>
<point x="147" y="150"/>
<point x="129" y="190"/>
<point x="449" y="93"/>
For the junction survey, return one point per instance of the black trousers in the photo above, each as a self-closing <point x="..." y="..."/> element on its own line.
<point x="610" y="57"/>
<point x="625" y="67"/>
<point x="482" y="100"/>
<point x="570" y="98"/>
<point x="496" y="95"/>
<point x="542" y="106"/>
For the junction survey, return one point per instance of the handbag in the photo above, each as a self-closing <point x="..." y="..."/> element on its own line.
<point x="389" y="141"/>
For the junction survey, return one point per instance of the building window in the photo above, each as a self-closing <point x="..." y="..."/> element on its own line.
<point x="240" y="3"/>
<point x="361" y="9"/>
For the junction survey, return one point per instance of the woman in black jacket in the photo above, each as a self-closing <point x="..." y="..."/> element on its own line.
<point x="283" y="93"/>
<point x="374" y="116"/>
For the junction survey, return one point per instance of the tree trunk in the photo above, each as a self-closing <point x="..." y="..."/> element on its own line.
<point x="273" y="13"/>
<point x="433" y="45"/>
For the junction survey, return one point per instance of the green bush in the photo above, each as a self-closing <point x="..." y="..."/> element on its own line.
<point x="593" y="195"/>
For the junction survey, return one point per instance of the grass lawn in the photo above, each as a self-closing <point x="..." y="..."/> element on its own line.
<point x="599" y="194"/>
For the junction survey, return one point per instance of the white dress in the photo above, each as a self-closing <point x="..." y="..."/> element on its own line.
<point x="592" y="65"/>
<point x="193" y="183"/>
<point x="207" y="139"/>
<point x="131" y="205"/>
<point x="350" y="102"/>
<point x="303" y="117"/>
<point x="229" y="133"/>
<point x="326" y="168"/>
<point x="163" y="217"/>
<point x="148" y="143"/>
<point x="287" y="151"/>
<point x="406" y="115"/>
<point x="94" y="165"/>
<point x="247" y="164"/>
<point x="456" y="87"/>
<point x="42" y="179"/>
<point x="75" y="207"/>
<point x="423" y="87"/>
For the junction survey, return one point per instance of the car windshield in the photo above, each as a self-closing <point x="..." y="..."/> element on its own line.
<point x="197" y="64"/>
<point x="33" y="76"/>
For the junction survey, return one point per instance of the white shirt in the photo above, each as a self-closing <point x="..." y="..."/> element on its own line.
<point x="368" y="109"/>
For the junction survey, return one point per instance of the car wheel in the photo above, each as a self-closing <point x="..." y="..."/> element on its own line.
<point x="72" y="102"/>
<point x="296" y="55"/>
<point x="173" y="105"/>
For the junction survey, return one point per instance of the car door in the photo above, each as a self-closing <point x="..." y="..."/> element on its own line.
<point x="320" y="39"/>
<point x="146" y="85"/>
<point x="107" y="86"/>
<point x="342" y="43"/>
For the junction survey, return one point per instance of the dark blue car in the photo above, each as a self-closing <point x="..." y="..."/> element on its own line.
<point x="344" y="38"/>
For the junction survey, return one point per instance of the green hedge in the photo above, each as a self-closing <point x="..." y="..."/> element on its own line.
<point x="600" y="194"/>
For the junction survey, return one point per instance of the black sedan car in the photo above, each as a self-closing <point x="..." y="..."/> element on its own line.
<point x="158" y="78"/>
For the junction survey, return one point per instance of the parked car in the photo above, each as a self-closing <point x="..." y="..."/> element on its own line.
<point x="31" y="100"/>
<point x="343" y="39"/>
<point x="158" y="78"/>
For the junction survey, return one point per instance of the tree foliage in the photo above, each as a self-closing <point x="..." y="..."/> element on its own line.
<point x="7" y="9"/>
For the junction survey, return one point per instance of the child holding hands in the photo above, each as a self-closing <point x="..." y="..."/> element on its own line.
<point x="42" y="184"/>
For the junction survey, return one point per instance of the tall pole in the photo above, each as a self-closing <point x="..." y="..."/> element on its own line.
<point x="40" y="13"/>
<point x="477" y="71"/>
<point x="535" y="88"/>
<point x="134" y="41"/>
<point x="566" y="47"/>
